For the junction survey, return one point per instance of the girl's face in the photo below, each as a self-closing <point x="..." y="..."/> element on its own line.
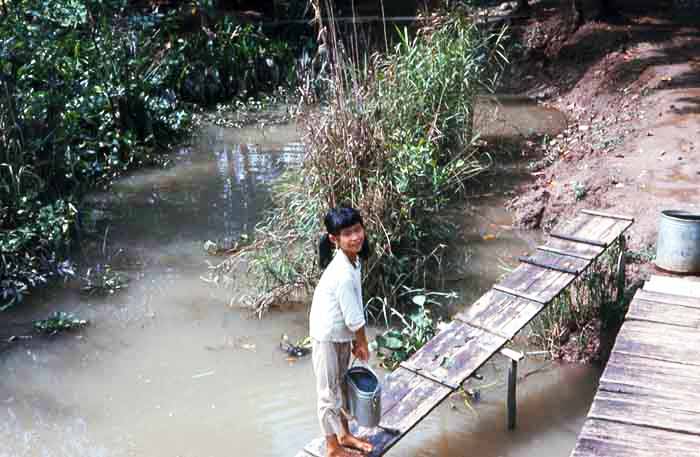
<point x="350" y="239"/>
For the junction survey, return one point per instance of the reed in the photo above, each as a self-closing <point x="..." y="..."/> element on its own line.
<point x="393" y="137"/>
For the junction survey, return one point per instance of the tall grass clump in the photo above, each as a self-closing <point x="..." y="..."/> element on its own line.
<point x="395" y="138"/>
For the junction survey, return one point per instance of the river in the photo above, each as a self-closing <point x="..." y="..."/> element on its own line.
<point x="168" y="368"/>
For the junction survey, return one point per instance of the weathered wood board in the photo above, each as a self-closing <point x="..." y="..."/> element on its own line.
<point x="675" y="286"/>
<point x="455" y="353"/>
<point x="601" y="229"/>
<point x="610" y="439"/>
<point x="537" y="282"/>
<point x="653" y="382"/>
<point x="619" y="407"/>
<point x="664" y="313"/>
<point x="566" y="262"/>
<point x="407" y="397"/>
<point x="659" y="341"/>
<point x="667" y="298"/>
<point x="500" y="313"/>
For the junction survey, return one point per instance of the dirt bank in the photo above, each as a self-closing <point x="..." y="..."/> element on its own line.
<point x="631" y="91"/>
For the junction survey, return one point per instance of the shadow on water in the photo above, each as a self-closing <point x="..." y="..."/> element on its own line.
<point x="170" y="368"/>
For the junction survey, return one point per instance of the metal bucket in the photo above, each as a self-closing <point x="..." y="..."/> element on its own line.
<point x="364" y="396"/>
<point x="678" y="244"/>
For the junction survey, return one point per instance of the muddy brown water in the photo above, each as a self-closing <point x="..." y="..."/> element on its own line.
<point x="168" y="368"/>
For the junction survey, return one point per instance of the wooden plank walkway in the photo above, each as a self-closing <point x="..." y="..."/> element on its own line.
<point x="439" y="368"/>
<point x="648" y="400"/>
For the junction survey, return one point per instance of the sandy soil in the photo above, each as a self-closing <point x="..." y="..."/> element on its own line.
<point x="631" y="91"/>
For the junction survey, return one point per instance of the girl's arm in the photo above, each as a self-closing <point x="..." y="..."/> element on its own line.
<point x="360" y="348"/>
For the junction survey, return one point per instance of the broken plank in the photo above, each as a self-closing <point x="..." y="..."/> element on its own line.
<point x="411" y="397"/>
<point x="454" y="353"/>
<point x="659" y="341"/>
<point x="659" y="297"/>
<point x="664" y="313"/>
<point x="627" y="409"/>
<point x="605" y="439"/>
<point x="652" y="381"/>
<point x="500" y="313"/>
<point x="536" y="282"/>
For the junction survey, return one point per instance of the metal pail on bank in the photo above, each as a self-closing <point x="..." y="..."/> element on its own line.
<point x="678" y="244"/>
<point x="364" y="396"/>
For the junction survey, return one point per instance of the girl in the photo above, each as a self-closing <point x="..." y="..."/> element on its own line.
<point x="337" y="324"/>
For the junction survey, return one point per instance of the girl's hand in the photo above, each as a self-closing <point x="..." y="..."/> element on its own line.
<point x="361" y="351"/>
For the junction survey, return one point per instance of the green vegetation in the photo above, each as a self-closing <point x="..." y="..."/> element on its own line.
<point x="90" y="89"/>
<point x="396" y="139"/>
<point x="571" y="325"/>
<point x="396" y="345"/>
<point x="59" y="322"/>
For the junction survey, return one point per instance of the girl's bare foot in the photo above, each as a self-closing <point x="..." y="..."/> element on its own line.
<point x="356" y="443"/>
<point x="339" y="451"/>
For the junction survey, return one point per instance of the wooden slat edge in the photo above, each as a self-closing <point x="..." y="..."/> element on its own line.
<point x="517" y="293"/>
<point x="577" y="255"/>
<point x="608" y="215"/>
<point x="578" y="239"/>
<point x="531" y="261"/>
<point x="420" y="372"/>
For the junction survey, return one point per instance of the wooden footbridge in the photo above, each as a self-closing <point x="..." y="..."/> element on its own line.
<point x="438" y="369"/>
<point x="648" y="399"/>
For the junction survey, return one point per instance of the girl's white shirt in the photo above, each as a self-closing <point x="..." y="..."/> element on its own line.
<point x="336" y="310"/>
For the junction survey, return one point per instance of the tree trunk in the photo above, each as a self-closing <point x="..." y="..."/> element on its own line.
<point x="577" y="11"/>
<point x="523" y="6"/>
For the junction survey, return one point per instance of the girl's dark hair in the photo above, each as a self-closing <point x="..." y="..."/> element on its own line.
<point x="336" y="220"/>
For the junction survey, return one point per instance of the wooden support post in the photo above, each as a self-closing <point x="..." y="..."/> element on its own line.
<point x="621" y="270"/>
<point x="514" y="357"/>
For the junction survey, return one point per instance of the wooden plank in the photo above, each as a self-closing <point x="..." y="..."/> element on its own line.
<point x="548" y="248"/>
<point x="578" y="239"/>
<point x="546" y="259"/>
<point x="664" y="313"/>
<point x="604" y="230"/>
<point x="629" y="410"/>
<point x="653" y="382"/>
<point x="659" y="297"/>
<point x="500" y="313"/>
<point x="675" y="286"/>
<point x="602" y="214"/>
<point x="537" y="283"/>
<point x="609" y="439"/>
<point x="454" y="353"/>
<point x="583" y="250"/>
<point x="407" y="398"/>
<point x="659" y="341"/>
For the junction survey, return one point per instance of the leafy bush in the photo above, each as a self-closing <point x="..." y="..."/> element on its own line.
<point x="92" y="88"/>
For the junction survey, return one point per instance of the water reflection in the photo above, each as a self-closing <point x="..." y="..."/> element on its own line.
<point x="169" y="368"/>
